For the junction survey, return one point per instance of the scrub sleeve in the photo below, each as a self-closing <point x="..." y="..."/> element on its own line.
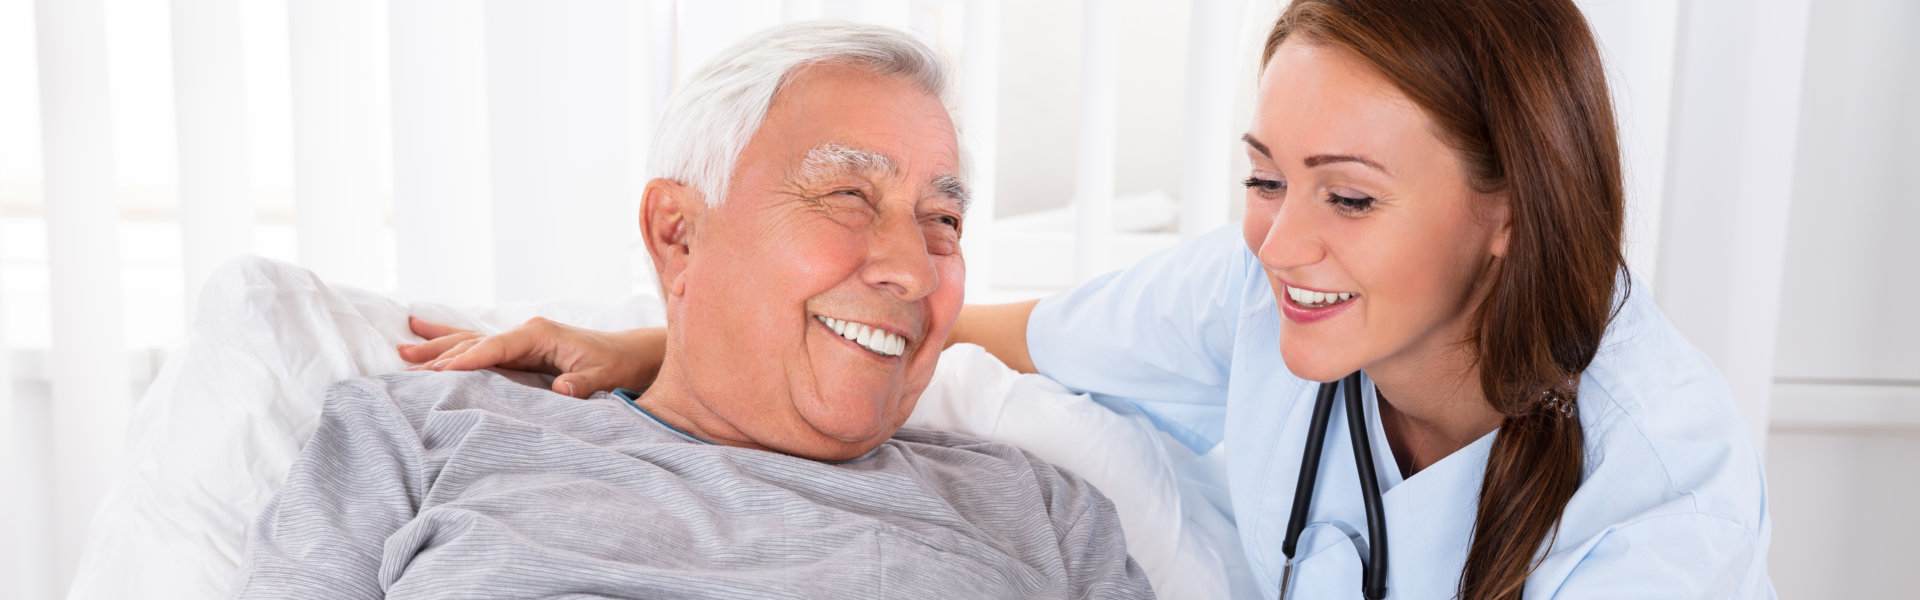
<point x="1157" y="336"/>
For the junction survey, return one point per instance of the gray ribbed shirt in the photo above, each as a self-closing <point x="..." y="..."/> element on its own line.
<point x="470" y="485"/>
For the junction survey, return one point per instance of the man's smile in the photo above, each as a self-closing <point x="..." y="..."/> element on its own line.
<point x="872" y="337"/>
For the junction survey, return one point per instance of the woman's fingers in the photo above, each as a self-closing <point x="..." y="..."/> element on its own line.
<point x="439" y="337"/>
<point x="571" y="385"/>
<point x="432" y="349"/>
<point x="537" y="345"/>
<point x="446" y="359"/>
<point x="583" y="383"/>
<point x="431" y="330"/>
<point x="519" y="349"/>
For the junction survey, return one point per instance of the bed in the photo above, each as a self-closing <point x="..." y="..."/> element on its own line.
<point x="214" y="435"/>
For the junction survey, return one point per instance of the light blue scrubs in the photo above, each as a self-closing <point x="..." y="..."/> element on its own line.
<point x="1673" y="503"/>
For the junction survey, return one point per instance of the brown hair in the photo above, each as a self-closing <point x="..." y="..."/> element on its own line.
<point x="1517" y="88"/>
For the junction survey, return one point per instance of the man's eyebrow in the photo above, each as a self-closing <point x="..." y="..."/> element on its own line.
<point x="830" y="159"/>
<point x="954" y="188"/>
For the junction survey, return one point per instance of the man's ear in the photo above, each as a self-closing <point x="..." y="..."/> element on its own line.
<point x="669" y="212"/>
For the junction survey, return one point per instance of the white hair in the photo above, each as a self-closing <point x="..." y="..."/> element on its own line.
<point x="709" y="121"/>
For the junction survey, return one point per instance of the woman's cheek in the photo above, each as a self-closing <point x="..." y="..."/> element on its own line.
<point x="1255" y="228"/>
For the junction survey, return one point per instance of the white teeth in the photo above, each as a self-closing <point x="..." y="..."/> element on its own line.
<point x="1313" y="299"/>
<point x="880" y="341"/>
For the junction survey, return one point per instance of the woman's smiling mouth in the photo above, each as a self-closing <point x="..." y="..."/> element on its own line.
<point x="1310" y="299"/>
<point x="1303" y="306"/>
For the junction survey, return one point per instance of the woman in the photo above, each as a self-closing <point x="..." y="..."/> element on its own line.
<point x="1435" y="204"/>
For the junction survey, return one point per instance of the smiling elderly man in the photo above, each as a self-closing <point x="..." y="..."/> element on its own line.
<point x="806" y="231"/>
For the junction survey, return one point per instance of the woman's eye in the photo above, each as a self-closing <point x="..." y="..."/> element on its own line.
<point x="1352" y="204"/>
<point x="1266" y="187"/>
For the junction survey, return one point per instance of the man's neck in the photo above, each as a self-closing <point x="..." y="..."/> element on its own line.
<point x="671" y="401"/>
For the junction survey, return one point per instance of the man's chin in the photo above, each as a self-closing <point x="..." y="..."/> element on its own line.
<point x="828" y="448"/>
<point x="850" y="427"/>
<point x="849" y="417"/>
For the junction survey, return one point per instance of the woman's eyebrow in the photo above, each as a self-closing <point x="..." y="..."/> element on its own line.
<point x="1317" y="159"/>
<point x="1262" y="148"/>
<point x="1322" y="159"/>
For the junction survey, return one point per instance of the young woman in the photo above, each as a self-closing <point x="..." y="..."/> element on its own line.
<point x="1435" y="208"/>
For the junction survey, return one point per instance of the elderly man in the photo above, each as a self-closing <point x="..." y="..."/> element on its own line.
<point x="806" y="232"/>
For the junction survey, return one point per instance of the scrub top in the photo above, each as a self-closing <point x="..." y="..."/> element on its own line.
<point x="1672" y="504"/>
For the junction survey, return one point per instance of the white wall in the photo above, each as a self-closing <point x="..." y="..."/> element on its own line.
<point x="1843" y="517"/>
<point x="1851" y="281"/>
<point x="1730" y="184"/>
<point x="1846" y="401"/>
<point x="1040" y="64"/>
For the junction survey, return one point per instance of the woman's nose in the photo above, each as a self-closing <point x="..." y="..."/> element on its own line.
<point x="1292" y="238"/>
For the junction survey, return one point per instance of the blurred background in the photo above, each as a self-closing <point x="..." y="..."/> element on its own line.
<point x="487" y="151"/>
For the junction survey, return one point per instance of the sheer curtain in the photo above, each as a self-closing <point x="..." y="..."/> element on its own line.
<point x="477" y="152"/>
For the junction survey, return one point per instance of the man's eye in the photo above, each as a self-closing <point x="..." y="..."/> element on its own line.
<point x="949" y="220"/>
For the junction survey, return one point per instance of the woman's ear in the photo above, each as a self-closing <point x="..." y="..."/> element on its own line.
<point x="1499" y="219"/>
<point x="669" y="212"/>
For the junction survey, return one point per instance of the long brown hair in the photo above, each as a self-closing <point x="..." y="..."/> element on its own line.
<point x="1517" y="88"/>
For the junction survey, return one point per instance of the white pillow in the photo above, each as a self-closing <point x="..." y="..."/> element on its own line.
<point x="213" y="437"/>
<point x="1174" y="530"/>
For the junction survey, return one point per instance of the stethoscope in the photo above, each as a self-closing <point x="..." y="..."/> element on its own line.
<point x="1373" y="559"/>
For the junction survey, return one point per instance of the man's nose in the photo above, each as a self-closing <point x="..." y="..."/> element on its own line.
<point x="899" y="262"/>
<point x="1293" y="238"/>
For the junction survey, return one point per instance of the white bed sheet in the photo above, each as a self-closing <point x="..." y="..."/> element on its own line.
<point x="214" y="435"/>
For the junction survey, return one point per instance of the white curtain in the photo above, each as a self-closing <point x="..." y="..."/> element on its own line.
<point x="477" y="152"/>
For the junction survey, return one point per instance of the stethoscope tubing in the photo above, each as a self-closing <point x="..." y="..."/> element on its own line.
<point x="1309" y="468"/>
<point x="1373" y="579"/>
<point x="1374" y="573"/>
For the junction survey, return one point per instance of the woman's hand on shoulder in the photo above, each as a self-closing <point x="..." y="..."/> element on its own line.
<point x="584" y="360"/>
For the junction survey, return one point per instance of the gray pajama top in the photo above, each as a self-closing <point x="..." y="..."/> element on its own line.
<point x="472" y="485"/>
